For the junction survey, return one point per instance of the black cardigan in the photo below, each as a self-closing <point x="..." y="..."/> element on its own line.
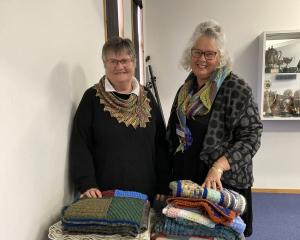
<point x="234" y="130"/>
<point x="108" y="155"/>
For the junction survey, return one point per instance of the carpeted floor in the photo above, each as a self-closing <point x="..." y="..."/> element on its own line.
<point x="276" y="216"/>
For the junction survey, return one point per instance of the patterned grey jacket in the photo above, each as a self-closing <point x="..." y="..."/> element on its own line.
<point x="234" y="130"/>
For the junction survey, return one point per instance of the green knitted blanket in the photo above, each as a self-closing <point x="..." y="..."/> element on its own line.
<point x="108" y="215"/>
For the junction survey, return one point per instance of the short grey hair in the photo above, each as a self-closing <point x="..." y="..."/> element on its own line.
<point x="212" y="30"/>
<point x="118" y="45"/>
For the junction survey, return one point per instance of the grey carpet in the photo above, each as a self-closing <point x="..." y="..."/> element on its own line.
<point x="276" y="216"/>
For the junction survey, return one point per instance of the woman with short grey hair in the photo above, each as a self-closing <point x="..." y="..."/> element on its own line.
<point x="118" y="135"/>
<point x="118" y="45"/>
<point x="214" y="128"/>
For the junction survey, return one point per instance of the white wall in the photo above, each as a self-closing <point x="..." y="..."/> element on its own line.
<point x="49" y="54"/>
<point x="127" y="5"/>
<point x="168" y="26"/>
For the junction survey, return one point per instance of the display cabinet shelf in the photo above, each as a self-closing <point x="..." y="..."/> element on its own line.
<point x="279" y="75"/>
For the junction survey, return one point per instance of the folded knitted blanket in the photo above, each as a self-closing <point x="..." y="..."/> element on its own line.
<point x="215" y="212"/>
<point x="173" y="212"/>
<point x="237" y="224"/>
<point x="185" y="228"/>
<point x="98" y="229"/>
<point x="145" y="218"/>
<point x="173" y="237"/>
<point x="107" y="215"/>
<point x="121" y="193"/>
<point x="227" y="198"/>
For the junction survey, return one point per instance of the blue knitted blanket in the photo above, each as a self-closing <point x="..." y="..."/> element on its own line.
<point x="227" y="198"/>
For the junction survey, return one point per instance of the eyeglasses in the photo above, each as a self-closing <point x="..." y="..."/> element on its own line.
<point x="197" y="53"/>
<point x="114" y="62"/>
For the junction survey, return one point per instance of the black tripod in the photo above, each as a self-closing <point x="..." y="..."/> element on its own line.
<point x="152" y="84"/>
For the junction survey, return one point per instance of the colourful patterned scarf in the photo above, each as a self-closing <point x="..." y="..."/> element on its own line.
<point x="133" y="111"/>
<point x="191" y="105"/>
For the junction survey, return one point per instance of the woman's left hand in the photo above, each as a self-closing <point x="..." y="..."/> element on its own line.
<point x="213" y="179"/>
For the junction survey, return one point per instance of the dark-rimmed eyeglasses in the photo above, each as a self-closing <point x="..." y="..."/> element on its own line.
<point x="114" y="62"/>
<point x="197" y="53"/>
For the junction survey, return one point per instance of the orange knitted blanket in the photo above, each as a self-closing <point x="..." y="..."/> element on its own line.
<point x="215" y="212"/>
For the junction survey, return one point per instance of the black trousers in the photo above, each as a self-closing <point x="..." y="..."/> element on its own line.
<point x="247" y="216"/>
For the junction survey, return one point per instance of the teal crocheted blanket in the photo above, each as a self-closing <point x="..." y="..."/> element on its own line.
<point x="185" y="228"/>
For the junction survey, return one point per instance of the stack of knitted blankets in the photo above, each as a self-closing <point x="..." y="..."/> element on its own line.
<point x="118" y="212"/>
<point x="201" y="213"/>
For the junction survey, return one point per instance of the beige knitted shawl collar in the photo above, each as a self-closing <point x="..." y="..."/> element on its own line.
<point x="133" y="111"/>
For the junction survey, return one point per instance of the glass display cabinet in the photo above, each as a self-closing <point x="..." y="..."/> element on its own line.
<point x="279" y="73"/>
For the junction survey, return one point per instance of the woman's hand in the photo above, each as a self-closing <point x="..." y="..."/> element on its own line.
<point x="160" y="197"/>
<point x="213" y="179"/>
<point x="91" y="193"/>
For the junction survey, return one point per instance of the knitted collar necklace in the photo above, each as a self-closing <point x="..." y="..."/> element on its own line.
<point x="134" y="111"/>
